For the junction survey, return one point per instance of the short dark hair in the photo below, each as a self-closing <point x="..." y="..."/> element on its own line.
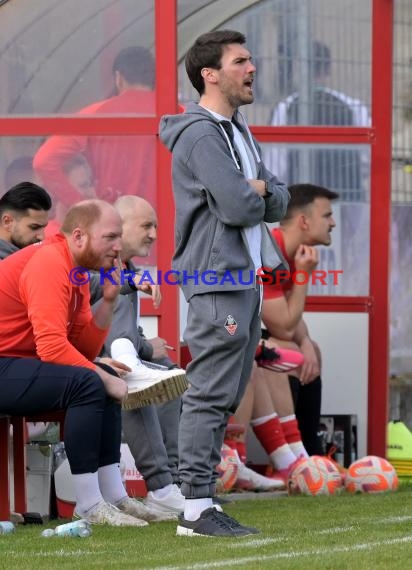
<point x="24" y="196"/>
<point x="207" y="51"/>
<point x="137" y="65"/>
<point x="302" y="195"/>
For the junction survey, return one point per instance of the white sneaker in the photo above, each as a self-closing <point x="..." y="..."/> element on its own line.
<point x="173" y="502"/>
<point x="140" y="510"/>
<point x="249" y="480"/>
<point x="108" y="514"/>
<point x="154" y="384"/>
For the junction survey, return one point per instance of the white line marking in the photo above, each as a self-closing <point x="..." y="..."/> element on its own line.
<point x="393" y="520"/>
<point x="285" y="555"/>
<point x="257" y="542"/>
<point x="336" y="530"/>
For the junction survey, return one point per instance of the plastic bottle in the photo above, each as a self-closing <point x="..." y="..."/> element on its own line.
<point x="59" y="455"/>
<point x="6" y="527"/>
<point x="79" y="528"/>
<point x="47" y="533"/>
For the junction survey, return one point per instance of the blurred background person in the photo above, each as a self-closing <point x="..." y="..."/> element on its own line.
<point x="340" y="169"/>
<point x="120" y="164"/>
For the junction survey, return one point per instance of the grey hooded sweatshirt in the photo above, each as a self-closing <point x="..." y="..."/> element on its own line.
<point x="7" y="248"/>
<point x="215" y="202"/>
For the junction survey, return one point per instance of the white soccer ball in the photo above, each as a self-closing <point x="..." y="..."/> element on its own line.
<point x="371" y="474"/>
<point x="315" y="475"/>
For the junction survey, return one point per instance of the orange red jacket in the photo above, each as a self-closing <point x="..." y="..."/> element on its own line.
<point x="120" y="164"/>
<point x="42" y="313"/>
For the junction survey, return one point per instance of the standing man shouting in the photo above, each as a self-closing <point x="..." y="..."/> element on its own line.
<point x="223" y="193"/>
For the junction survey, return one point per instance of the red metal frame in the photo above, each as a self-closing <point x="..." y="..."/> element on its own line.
<point x="75" y="125"/>
<point x="382" y="55"/>
<point x="324" y="135"/>
<point x="320" y="304"/>
<point x="378" y="136"/>
<point x="166" y="90"/>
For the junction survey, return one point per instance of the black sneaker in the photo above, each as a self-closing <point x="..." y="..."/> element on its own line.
<point x="213" y="523"/>
<point x="235" y="524"/>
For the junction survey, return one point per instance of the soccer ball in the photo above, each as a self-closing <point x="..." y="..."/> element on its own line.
<point x="315" y="475"/>
<point x="227" y="469"/>
<point x="371" y="474"/>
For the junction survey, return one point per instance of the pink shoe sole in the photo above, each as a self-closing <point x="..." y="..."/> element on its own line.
<point x="279" y="359"/>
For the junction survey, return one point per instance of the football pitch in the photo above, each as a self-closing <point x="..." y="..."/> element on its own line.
<point x="341" y="532"/>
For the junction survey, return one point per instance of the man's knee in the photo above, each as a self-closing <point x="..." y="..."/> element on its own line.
<point x="88" y="384"/>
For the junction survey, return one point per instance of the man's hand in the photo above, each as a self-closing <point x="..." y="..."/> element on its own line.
<point x="115" y="387"/>
<point x="306" y="259"/>
<point x="149" y="288"/>
<point x="310" y="368"/>
<point x="258" y="185"/>
<point x="111" y="290"/>
<point x="159" y="347"/>
<point x="153" y="290"/>
<point x="119" y="367"/>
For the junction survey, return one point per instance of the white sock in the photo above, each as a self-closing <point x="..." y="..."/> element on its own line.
<point x="282" y="457"/>
<point x="298" y="449"/>
<point x="195" y="507"/>
<point x="163" y="492"/>
<point x="88" y="495"/>
<point x="123" y="350"/>
<point x="110" y="483"/>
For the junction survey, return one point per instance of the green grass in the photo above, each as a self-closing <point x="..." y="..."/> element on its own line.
<point x="344" y="532"/>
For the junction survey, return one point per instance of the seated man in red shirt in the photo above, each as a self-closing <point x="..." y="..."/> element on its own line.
<point x="308" y="222"/>
<point x="277" y="418"/>
<point x="48" y="342"/>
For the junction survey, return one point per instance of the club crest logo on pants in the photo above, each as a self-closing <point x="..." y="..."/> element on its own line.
<point x="230" y="325"/>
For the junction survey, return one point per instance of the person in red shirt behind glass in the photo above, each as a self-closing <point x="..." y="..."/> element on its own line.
<point x="308" y="223"/>
<point x="120" y="164"/>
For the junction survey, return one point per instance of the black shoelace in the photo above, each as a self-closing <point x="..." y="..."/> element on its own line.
<point x="229" y="521"/>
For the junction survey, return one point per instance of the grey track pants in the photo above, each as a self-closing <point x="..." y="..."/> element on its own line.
<point x="218" y="374"/>
<point x="151" y="434"/>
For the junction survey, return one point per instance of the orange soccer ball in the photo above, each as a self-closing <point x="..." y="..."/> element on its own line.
<point x="315" y="475"/>
<point x="371" y="474"/>
<point x="227" y="469"/>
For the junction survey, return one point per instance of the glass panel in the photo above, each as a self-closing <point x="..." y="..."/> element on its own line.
<point x="401" y="289"/>
<point x="342" y="168"/>
<point x="57" y="57"/>
<point x="79" y="167"/>
<point x="345" y="170"/>
<point x="402" y="104"/>
<point x="401" y="230"/>
<point x="187" y="7"/>
<point x="312" y="55"/>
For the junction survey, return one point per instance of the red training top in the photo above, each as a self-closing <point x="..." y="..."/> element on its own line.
<point x="42" y="313"/>
<point x="120" y="164"/>
<point x="277" y="290"/>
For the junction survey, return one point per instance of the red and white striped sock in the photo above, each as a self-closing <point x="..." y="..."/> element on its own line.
<point x="269" y="432"/>
<point x="292" y="435"/>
